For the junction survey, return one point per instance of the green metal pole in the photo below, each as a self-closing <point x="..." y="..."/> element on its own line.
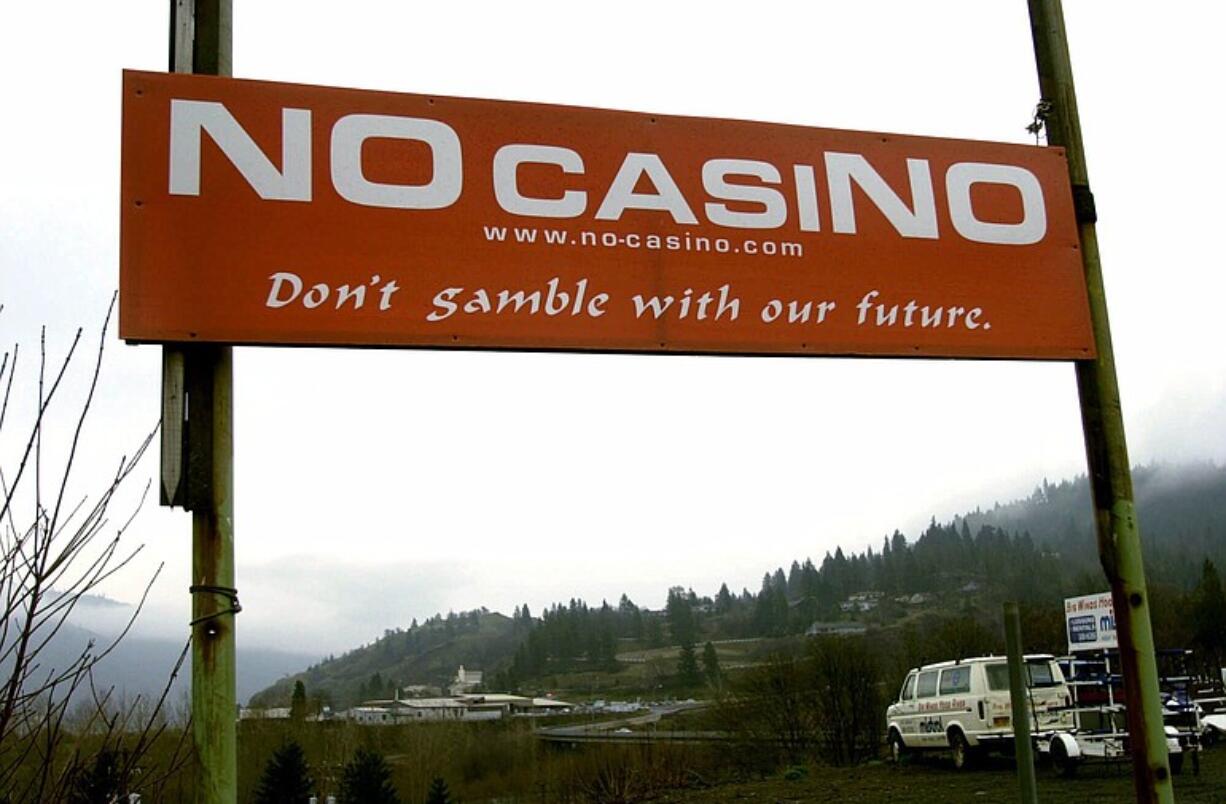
<point x="1119" y="538"/>
<point x="198" y="467"/>
<point x="1023" y="749"/>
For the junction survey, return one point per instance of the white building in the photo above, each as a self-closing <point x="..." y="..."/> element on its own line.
<point x="466" y="681"/>
<point x="415" y="709"/>
<point x="469" y="708"/>
<point x="273" y="713"/>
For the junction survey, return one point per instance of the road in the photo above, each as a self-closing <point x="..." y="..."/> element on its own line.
<point x="634" y="729"/>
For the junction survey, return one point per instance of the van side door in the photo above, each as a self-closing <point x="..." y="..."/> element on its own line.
<point x="904" y="713"/>
<point x="930" y="730"/>
<point x="954" y="693"/>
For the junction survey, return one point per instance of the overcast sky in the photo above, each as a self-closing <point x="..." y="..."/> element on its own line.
<point x="374" y="487"/>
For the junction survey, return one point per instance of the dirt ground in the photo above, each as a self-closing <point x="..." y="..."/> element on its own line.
<point x="932" y="780"/>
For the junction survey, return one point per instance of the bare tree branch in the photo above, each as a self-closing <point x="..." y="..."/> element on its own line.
<point x="51" y="557"/>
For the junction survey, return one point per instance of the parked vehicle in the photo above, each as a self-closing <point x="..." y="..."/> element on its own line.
<point x="1193" y="702"/>
<point x="963" y="706"/>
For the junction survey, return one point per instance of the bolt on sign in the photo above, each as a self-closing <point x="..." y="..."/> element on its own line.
<point x="264" y="213"/>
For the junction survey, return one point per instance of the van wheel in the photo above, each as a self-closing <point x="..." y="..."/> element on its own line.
<point x="960" y="749"/>
<point x="898" y="749"/>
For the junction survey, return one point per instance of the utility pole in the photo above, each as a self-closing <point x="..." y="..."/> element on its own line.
<point x="1119" y="538"/>
<point x="198" y="466"/>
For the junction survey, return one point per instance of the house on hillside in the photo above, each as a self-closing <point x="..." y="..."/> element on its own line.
<point x="861" y="602"/>
<point x="836" y="629"/>
<point x="465" y="681"/>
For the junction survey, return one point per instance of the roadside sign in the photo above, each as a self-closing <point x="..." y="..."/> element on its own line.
<point x="1090" y="623"/>
<point x="262" y="213"/>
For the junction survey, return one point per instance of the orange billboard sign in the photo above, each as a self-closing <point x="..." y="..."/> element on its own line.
<point x="263" y="213"/>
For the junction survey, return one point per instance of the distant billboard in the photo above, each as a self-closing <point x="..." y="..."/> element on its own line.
<point x="263" y="213"/>
<point x="1090" y="623"/>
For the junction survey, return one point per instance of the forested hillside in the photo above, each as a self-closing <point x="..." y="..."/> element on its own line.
<point x="1037" y="550"/>
<point x="1182" y="511"/>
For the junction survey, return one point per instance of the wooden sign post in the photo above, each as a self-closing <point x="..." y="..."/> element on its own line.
<point x="198" y="467"/>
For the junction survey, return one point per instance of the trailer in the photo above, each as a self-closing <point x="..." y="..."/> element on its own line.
<point x="1100" y="730"/>
<point x="1098" y="705"/>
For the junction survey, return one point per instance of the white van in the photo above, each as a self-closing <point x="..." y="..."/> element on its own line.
<point x="964" y="705"/>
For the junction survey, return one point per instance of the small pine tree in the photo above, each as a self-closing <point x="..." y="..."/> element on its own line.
<point x="439" y="794"/>
<point x="287" y="777"/>
<point x="367" y="779"/>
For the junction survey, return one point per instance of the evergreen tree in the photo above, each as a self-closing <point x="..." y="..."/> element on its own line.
<point x="298" y="702"/>
<point x="367" y="779"/>
<point x="710" y="666"/>
<point x="779" y="580"/>
<point x="794" y="580"/>
<point x="809" y="577"/>
<point x="1209" y="616"/>
<point x="438" y="794"/>
<point x="374" y="687"/>
<point x="680" y="612"/>
<point x="287" y="777"/>
<point x="687" y="667"/>
<point x="653" y="634"/>
<point x="763" y="612"/>
<point x="770" y="616"/>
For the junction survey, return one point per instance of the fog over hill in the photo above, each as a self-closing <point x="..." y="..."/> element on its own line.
<point x="1181" y="509"/>
<point x="964" y="566"/>
<point x="143" y="661"/>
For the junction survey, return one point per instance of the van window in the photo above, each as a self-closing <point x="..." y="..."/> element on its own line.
<point x="908" y="688"/>
<point x="998" y="677"/>
<point x="955" y="680"/>
<point x="926" y="687"/>
<point x="1039" y="674"/>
